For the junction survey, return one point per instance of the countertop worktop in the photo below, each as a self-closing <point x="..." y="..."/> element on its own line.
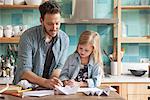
<point x="126" y="79"/>
<point x="111" y="79"/>
<point x="78" y="96"/>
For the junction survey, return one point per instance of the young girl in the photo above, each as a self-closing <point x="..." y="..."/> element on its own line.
<point x="84" y="66"/>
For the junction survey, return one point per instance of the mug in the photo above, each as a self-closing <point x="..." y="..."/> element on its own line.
<point x="16" y="30"/>
<point x="8" y="31"/>
<point x="1" y="31"/>
<point x="23" y="28"/>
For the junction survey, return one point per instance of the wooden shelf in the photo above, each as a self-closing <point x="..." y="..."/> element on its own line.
<point x="9" y="40"/>
<point x="136" y="7"/>
<point x="135" y="40"/>
<point x="19" y="6"/>
<point x="89" y="21"/>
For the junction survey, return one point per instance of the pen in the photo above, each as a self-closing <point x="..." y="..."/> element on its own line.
<point x="13" y="94"/>
<point x="20" y="91"/>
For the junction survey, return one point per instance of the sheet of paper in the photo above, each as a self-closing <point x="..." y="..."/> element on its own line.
<point x="67" y="89"/>
<point x="39" y="93"/>
<point x="89" y="89"/>
<point x="95" y="91"/>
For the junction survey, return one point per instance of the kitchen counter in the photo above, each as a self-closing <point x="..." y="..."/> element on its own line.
<point x="79" y="96"/>
<point x="112" y="79"/>
<point x="126" y="79"/>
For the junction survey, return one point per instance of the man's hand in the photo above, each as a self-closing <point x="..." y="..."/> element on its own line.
<point x="48" y="83"/>
<point x="51" y="83"/>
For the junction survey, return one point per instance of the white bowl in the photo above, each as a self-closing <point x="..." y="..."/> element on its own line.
<point x="19" y="2"/>
<point x="33" y="2"/>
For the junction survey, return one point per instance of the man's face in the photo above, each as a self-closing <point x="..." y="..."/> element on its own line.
<point x="51" y="24"/>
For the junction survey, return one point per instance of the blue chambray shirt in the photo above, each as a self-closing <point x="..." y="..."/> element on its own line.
<point x="32" y="52"/>
<point x="72" y="68"/>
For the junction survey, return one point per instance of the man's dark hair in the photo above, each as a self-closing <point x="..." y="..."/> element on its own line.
<point x="51" y="7"/>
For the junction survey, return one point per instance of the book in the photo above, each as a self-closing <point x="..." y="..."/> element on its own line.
<point x="11" y="88"/>
<point x="38" y="93"/>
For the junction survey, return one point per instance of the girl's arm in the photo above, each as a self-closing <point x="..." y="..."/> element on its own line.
<point x="95" y="80"/>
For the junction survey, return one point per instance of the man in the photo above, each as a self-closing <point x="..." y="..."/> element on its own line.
<point x="42" y="49"/>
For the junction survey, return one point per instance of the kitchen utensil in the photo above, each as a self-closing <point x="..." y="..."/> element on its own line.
<point x="137" y="72"/>
<point x="107" y="55"/>
<point x="122" y="53"/>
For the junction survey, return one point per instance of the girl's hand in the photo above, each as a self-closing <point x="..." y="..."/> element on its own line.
<point x="71" y="83"/>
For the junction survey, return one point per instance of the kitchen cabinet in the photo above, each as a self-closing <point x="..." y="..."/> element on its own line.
<point x="120" y="87"/>
<point x="131" y="91"/>
<point x="120" y="39"/>
<point x="138" y="91"/>
<point x="114" y="85"/>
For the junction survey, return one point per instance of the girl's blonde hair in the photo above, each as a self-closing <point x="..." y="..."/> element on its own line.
<point x="93" y="38"/>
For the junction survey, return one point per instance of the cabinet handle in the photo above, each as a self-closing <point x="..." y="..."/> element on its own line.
<point x="148" y="87"/>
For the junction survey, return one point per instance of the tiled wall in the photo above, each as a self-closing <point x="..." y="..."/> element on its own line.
<point x="31" y="18"/>
<point x="135" y="21"/>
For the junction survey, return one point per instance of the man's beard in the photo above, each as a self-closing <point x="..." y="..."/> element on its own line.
<point x="51" y="31"/>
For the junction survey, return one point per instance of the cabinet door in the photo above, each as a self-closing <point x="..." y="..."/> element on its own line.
<point x="134" y="97"/>
<point x="138" y="97"/>
<point x="145" y="97"/>
<point x="139" y="89"/>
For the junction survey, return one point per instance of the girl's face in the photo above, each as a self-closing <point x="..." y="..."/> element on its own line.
<point x="85" y="50"/>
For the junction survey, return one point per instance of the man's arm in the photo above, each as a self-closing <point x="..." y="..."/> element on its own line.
<point x="56" y="73"/>
<point x="33" y="78"/>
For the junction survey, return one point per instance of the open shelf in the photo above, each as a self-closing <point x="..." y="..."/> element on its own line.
<point x="135" y="40"/>
<point x="88" y="21"/>
<point x="136" y="7"/>
<point x="19" y="6"/>
<point x="9" y="40"/>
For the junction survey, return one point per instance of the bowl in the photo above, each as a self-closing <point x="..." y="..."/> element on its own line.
<point x="19" y="2"/>
<point x="137" y="72"/>
<point x="33" y="2"/>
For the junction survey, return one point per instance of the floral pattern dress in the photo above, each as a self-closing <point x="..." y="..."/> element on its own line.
<point x="83" y="74"/>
